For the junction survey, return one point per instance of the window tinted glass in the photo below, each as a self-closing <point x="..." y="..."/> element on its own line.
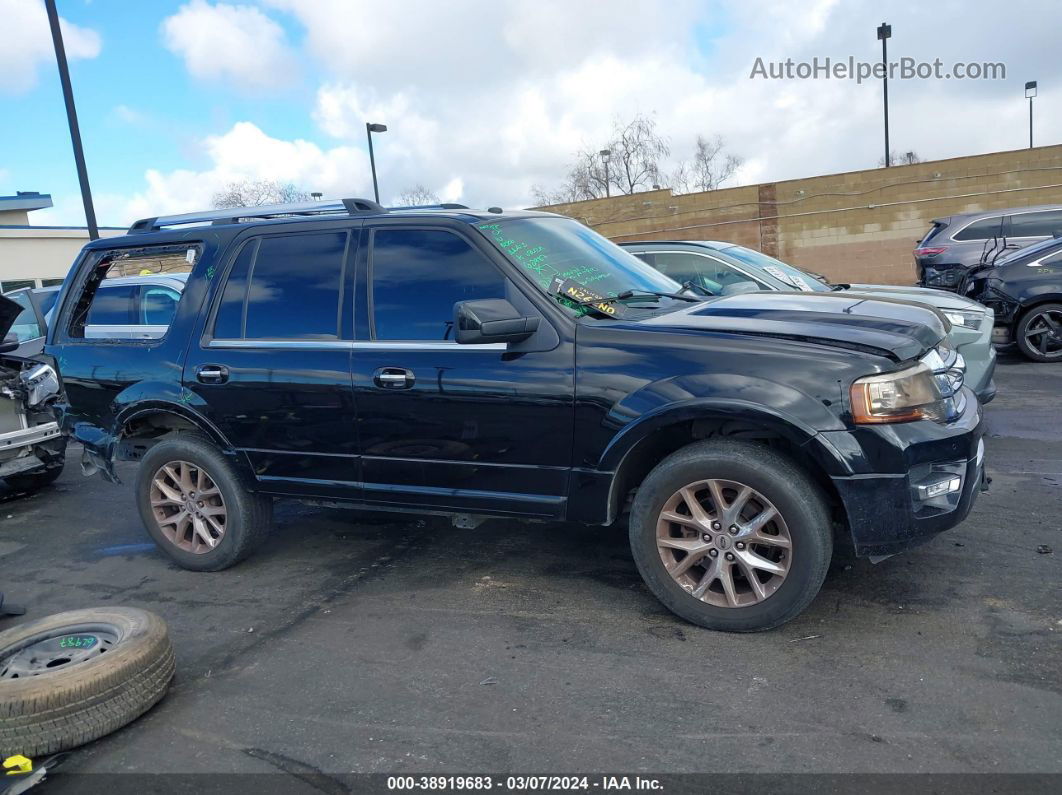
<point x="1035" y="224"/>
<point x="417" y="277"/>
<point x="984" y="229"/>
<point x="706" y="272"/>
<point x="25" y="326"/>
<point x="158" y="305"/>
<point x="112" y="306"/>
<point x="295" y="284"/>
<point x="228" y="324"/>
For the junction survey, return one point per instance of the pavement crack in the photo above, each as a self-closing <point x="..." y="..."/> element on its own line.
<point x="308" y="774"/>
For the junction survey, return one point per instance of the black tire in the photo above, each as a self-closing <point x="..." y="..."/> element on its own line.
<point x="1027" y="349"/>
<point x="795" y="495"/>
<point x="35" y="481"/>
<point x="62" y="708"/>
<point x="248" y="514"/>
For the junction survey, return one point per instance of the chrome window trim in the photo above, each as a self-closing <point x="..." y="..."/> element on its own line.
<point x="355" y="346"/>
<point x="1037" y="262"/>
<point x="1058" y="210"/>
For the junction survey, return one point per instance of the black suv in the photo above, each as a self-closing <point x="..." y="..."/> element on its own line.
<point x="518" y="364"/>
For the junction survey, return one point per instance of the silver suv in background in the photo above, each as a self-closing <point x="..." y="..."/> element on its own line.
<point x="954" y="244"/>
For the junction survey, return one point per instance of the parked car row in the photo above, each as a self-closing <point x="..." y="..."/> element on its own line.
<point x="489" y="363"/>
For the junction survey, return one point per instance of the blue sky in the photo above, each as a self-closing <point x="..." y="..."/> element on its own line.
<point x="485" y="99"/>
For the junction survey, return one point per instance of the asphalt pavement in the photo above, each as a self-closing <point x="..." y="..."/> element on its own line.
<point x="358" y="642"/>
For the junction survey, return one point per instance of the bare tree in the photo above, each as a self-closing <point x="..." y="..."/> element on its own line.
<point x="901" y="158"/>
<point x="635" y="151"/>
<point x="417" y="195"/>
<point x="256" y="192"/>
<point x="708" y="169"/>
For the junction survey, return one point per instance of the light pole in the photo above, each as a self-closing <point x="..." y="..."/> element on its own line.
<point x="71" y="118"/>
<point x="884" y="33"/>
<point x="605" y="155"/>
<point x="1030" y="92"/>
<point x="369" y="130"/>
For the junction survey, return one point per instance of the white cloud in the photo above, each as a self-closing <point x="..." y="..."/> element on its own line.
<point x="236" y="43"/>
<point x="27" y="44"/>
<point x="485" y="99"/>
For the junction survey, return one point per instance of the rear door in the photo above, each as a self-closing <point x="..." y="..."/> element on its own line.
<point x="272" y="361"/>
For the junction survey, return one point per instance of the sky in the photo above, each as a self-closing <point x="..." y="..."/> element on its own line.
<point x="485" y="99"/>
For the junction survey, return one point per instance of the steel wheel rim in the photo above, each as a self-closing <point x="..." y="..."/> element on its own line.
<point x="724" y="543"/>
<point x="57" y="649"/>
<point x="188" y="507"/>
<point x="1043" y="333"/>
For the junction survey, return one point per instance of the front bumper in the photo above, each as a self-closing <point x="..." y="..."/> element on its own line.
<point x="888" y="513"/>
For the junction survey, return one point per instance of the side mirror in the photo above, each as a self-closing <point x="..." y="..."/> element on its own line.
<point x="9" y="344"/>
<point x="491" y="320"/>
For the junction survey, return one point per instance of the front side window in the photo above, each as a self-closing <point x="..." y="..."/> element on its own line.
<point x="417" y="275"/>
<point x="285" y="287"/>
<point x="985" y="229"/>
<point x="113" y="306"/>
<point x="705" y="271"/>
<point x="25" y="326"/>
<point x="1046" y="224"/>
<point x="559" y="251"/>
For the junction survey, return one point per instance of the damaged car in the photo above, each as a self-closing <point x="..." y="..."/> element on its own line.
<point x="1024" y="289"/>
<point x="32" y="449"/>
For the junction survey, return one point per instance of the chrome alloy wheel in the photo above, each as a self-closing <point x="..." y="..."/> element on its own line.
<point x="1044" y="333"/>
<point x="724" y="543"/>
<point x="188" y="507"/>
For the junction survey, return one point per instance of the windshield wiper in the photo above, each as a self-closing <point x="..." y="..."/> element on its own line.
<point x="838" y="287"/>
<point x="692" y="286"/>
<point x="626" y="295"/>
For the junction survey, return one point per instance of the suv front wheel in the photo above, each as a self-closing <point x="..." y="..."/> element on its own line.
<point x="731" y="535"/>
<point x="196" y="506"/>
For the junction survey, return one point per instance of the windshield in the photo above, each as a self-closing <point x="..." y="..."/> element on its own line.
<point x="560" y="251"/>
<point x="794" y="277"/>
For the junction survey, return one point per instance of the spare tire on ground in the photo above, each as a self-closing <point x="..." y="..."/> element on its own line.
<point x="72" y="677"/>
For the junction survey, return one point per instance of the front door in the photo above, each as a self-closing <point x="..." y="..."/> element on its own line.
<point x="272" y="365"/>
<point x="447" y="426"/>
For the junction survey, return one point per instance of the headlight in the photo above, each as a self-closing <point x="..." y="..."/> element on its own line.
<point x="911" y="394"/>
<point x="964" y="318"/>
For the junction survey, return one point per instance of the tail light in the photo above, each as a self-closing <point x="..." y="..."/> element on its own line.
<point x="931" y="251"/>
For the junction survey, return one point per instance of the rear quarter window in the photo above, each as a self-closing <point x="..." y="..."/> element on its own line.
<point x="985" y="229"/>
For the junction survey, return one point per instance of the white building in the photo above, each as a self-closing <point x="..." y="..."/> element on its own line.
<point x="34" y="256"/>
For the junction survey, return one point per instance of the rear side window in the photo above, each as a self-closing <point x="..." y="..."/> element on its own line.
<point x="985" y="229"/>
<point x="25" y="326"/>
<point x="113" y="306"/>
<point x="1045" y="224"/>
<point x="285" y="288"/>
<point x="417" y="277"/>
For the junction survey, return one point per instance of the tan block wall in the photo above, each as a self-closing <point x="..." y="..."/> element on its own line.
<point x="859" y="226"/>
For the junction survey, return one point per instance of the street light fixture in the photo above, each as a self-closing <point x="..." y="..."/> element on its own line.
<point x="371" y="128"/>
<point x="605" y="155"/>
<point x="1030" y="92"/>
<point x="884" y="34"/>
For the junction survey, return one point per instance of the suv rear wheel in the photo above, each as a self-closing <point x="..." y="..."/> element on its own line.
<point x="196" y="506"/>
<point x="1039" y="333"/>
<point x="731" y="535"/>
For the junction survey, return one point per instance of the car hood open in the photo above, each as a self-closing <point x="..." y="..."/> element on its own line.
<point x="897" y="329"/>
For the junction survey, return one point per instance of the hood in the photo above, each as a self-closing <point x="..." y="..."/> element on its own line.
<point x="9" y="310"/>
<point x="941" y="299"/>
<point x="896" y="329"/>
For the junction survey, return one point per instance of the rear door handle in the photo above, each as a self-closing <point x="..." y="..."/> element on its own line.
<point x="212" y="374"/>
<point x="393" y="378"/>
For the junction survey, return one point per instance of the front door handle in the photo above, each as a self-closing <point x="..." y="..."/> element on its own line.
<point x="212" y="374"/>
<point x="393" y="378"/>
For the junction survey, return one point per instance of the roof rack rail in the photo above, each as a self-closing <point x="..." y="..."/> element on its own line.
<point x="233" y="215"/>
<point x="441" y="206"/>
